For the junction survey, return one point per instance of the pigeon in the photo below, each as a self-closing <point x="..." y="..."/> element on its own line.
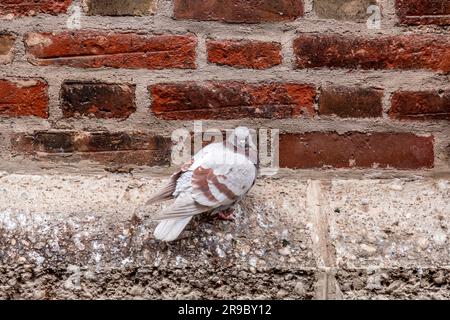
<point x="215" y="179"/>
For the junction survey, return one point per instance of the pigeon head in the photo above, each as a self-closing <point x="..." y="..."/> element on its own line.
<point x="242" y="138"/>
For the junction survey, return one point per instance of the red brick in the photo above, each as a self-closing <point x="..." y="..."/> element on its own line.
<point x="244" y="54"/>
<point x="23" y="97"/>
<point x="104" y="147"/>
<point x="32" y="7"/>
<point x="232" y="100"/>
<point x="239" y="11"/>
<point x="120" y="7"/>
<point x="99" y="100"/>
<point x="93" y="49"/>
<point x="351" y="102"/>
<point x="420" y="105"/>
<point x="6" y="48"/>
<point x="384" y="52"/>
<point x="358" y="150"/>
<point x="422" y="12"/>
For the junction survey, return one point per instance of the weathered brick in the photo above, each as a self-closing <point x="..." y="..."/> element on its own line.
<point x="32" y="7"/>
<point x="23" y="97"/>
<point x="239" y="11"/>
<point x="353" y="10"/>
<point x="120" y="7"/>
<point x="232" y="100"/>
<point x="94" y="49"/>
<point x="244" y="54"/>
<point x="356" y="150"/>
<point x="348" y="102"/>
<point x="420" y="105"/>
<point x="44" y="142"/>
<point x="447" y="153"/>
<point x="104" y="147"/>
<point x="6" y="48"/>
<point x="99" y="100"/>
<point x="385" y="52"/>
<point x="422" y="12"/>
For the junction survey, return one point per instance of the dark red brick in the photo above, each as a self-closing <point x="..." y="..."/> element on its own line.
<point x="356" y="150"/>
<point x="348" y="102"/>
<point x="420" y="105"/>
<point x="423" y="12"/>
<point x="33" y="7"/>
<point x="23" y="97"/>
<point x="232" y="100"/>
<point x="239" y="11"/>
<point x="94" y="49"/>
<point x="403" y="52"/>
<point x="44" y="141"/>
<point x="99" y="100"/>
<point x="244" y="54"/>
<point x="104" y="147"/>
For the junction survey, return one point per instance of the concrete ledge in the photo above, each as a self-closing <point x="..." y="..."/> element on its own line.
<point x="68" y="235"/>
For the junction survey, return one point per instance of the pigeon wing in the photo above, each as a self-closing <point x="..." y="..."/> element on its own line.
<point x="184" y="206"/>
<point x="166" y="192"/>
<point x="221" y="178"/>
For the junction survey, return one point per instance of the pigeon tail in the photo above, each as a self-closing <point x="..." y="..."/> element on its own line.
<point x="169" y="230"/>
<point x="166" y="192"/>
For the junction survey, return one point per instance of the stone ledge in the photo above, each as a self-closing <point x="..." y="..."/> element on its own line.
<point x="70" y="235"/>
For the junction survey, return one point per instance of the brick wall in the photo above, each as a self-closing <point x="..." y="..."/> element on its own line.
<point x="112" y="89"/>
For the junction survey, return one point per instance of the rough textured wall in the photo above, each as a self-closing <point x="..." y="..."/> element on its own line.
<point x="314" y="69"/>
<point x="67" y="235"/>
<point x="91" y="85"/>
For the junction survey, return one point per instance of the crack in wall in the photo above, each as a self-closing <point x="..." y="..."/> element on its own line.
<point x="327" y="286"/>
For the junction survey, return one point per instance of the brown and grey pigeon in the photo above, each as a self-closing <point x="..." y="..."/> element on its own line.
<point x="216" y="178"/>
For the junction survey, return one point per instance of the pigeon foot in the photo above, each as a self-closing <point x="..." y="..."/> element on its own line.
<point x="226" y="215"/>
